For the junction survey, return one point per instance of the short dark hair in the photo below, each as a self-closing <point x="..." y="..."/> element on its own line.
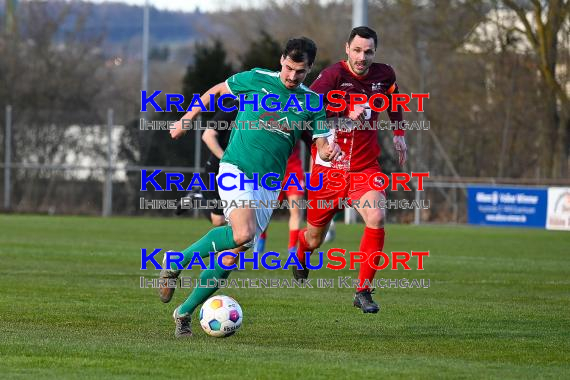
<point x="364" y="32"/>
<point x="299" y="49"/>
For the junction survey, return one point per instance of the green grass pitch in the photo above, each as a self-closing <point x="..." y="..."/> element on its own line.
<point x="71" y="307"/>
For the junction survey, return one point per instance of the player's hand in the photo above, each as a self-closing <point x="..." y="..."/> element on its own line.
<point x="333" y="152"/>
<point x="357" y="114"/>
<point x="177" y="132"/>
<point x="402" y="149"/>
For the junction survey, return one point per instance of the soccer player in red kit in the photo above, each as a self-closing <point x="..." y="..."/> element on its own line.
<point x="357" y="75"/>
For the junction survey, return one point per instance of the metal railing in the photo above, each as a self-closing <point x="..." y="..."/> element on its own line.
<point x="447" y="195"/>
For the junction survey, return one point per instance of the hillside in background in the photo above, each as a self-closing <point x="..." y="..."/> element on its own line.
<point x="118" y="25"/>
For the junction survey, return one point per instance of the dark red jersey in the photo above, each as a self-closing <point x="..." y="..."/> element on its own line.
<point x="360" y="147"/>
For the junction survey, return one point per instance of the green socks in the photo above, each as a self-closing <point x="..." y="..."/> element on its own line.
<point x="216" y="240"/>
<point x="204" y="290"/>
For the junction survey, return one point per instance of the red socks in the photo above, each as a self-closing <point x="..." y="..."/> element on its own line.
<point x="293" y="238"/>
<point x="303" y="246"/>
<point x="372" y="241"/>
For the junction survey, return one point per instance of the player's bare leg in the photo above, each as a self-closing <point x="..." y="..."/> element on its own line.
<point x="372" y="241"/>
<point x="217" y="220"/>
<point x="243" y="225"/>
<point x="295" y="217"/>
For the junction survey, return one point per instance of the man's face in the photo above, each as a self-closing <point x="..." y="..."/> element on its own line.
<point x="293" y="73"/>
<point x="360" y="54"/>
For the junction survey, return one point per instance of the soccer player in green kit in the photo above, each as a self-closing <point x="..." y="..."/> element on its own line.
<point x="259" y="150"/>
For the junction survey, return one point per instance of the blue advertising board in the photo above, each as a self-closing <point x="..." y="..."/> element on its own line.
<point x="507" y="206"/>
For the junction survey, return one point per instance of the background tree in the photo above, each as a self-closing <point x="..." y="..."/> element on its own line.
<point x="156" y="148"/>
<point x="209" y="68"/>
<point x="263" y="52"/>
<point x="543" y="35"/>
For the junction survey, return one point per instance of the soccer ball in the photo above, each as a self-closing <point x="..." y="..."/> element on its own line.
<point x="220" y="316"/>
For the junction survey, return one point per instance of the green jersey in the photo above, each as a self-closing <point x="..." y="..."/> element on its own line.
<point x="264" y="140"/>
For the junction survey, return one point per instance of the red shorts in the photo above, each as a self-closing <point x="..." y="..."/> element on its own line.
<point x="320" y="217"/>
<point x="293" y="190"/>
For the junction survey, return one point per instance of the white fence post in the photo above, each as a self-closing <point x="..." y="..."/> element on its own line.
<point x="7" y="157"/>
<point x="417" y="215"/>
<point x="108" y="193"/>
<point x="349" y="215"/>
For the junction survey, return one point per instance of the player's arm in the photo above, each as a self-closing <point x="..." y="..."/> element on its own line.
<point x="396" y="116"/>
<point x="210" y="138"/>
<point x="217" y="90"/>
<point x="320" y="133"/>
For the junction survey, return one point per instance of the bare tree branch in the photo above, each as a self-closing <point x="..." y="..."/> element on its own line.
<point x="522" y="16"/>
